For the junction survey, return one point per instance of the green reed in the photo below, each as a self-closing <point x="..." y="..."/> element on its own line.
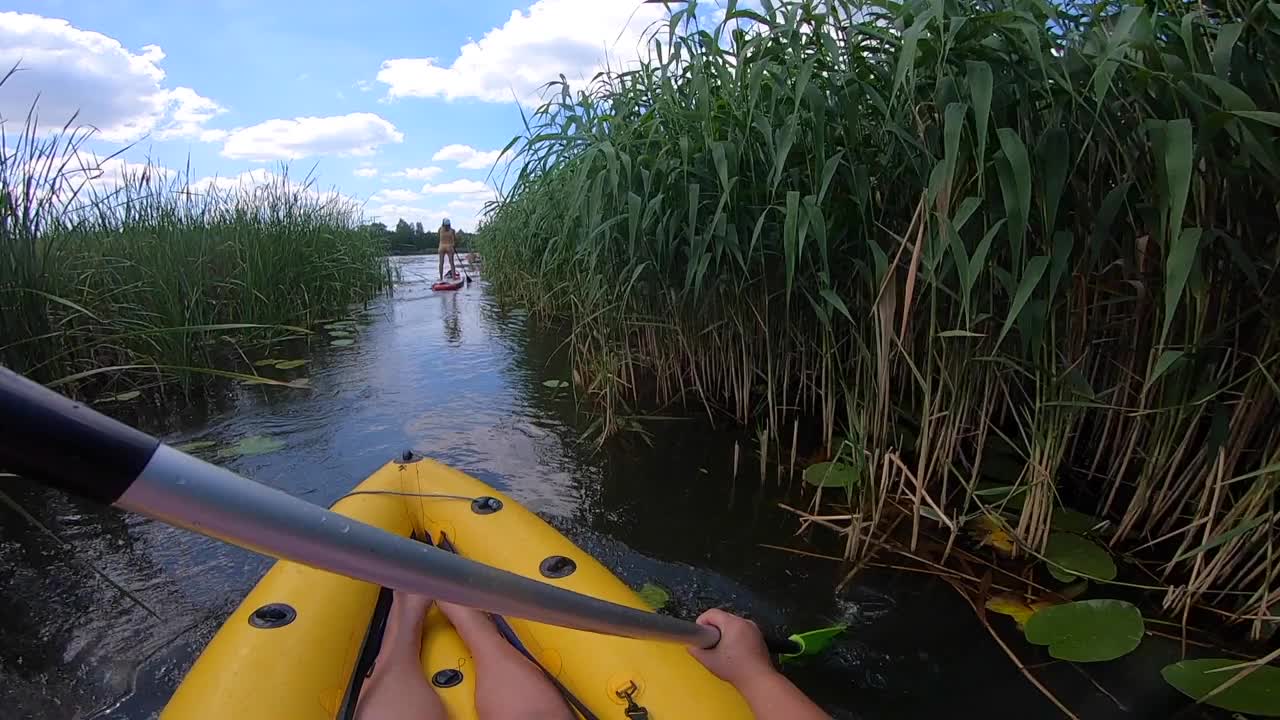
<point x="153" y="272"/>
<point x="954" y="233"/>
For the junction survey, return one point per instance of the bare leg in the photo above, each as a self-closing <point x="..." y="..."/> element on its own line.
<point x="440" y="270"/>
<point x="398" y="689"/>
<point x="451" y="267"/>
<point x="508" y="686"/>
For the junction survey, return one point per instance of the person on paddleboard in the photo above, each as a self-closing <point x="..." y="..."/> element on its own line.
<point x="448" y="241"/>
<point x="510" y="687"/>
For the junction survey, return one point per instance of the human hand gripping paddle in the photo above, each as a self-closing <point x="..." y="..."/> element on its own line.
<point x="62" y="443"/>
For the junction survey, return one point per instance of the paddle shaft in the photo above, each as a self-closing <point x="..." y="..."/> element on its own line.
<point x="62" y="443"/>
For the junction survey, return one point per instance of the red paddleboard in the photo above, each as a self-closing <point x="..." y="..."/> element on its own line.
<point x="446" y="285"/>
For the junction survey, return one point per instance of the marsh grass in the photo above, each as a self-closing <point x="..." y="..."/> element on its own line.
<point x="143" y="277"/>
<point x="954" y="233"/>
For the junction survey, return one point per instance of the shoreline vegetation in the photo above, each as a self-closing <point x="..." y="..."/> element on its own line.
<point x="1012" y="263"/>
<point x="111" y="286"/>
<point x="410" y="238"/>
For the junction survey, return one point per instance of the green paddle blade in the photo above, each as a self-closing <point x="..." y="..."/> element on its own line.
<point x="813" y="642"/>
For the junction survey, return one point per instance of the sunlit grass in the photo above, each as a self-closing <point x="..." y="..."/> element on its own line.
<point x="951" y="232"/>
<point x="150" y="271"/>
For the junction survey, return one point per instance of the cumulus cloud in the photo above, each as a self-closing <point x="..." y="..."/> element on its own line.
<point x="512" y="62"/>
<point x="467" y="157"/>
<point x="394" y="196"/>
<point x="119" y="91"/>
<point x="422" y="173"/>
<point x="280" y="139"/>
<point x="430" y="217"/>
<point x="458" y="187"/>
<point x="249" y="180"/>
<point x="245" y="180"/>
<point x="365" y="172"/>
<point x="389" y="213"/>
<point x="83" y="175"/>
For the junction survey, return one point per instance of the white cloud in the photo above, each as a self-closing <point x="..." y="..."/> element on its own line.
<point x="85" y="173"/>
<point x="365" y="172"/>
<point x="511" y="62"/>
<point x="118" y="91"/>
<point x="394" y="196"/>
<point x="189" y="112"/>
<point x="280" y="139"/>
<point x="389" y="213"/>
<point x="458" y="187"/>
<point x="245" y="180"/>
<point x="430" y="217"/>
<point x="468" y="157"/>
<point x="422" y="173"/>
<point x="249" y="180"/>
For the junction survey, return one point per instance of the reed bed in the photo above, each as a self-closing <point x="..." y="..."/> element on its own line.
<point x="146" y="277"/>
<point x="1012" y="241"/>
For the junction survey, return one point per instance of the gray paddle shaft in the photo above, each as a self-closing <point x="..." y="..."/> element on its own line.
<point x="189" y="493"/>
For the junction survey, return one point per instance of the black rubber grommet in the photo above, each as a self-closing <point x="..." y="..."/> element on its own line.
<point x="486" y="505"/>
<point x="272" y="616"/>
<point x="557" y="566"/>
<point x="407" y="456"/>
<point x="446" y="678"/>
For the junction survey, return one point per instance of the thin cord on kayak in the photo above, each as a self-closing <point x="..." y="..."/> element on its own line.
<point x="438" y="496"/>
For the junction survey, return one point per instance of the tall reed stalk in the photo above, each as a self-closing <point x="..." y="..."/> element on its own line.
<point x="960" y="235"/>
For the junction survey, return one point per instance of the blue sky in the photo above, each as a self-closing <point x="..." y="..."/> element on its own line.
<point x="399" y="104"/>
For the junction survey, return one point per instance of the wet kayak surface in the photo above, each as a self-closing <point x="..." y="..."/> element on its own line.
<point x="101" y="613"/>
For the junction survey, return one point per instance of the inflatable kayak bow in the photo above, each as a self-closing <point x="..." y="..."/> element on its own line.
<point x="292" y="647"/>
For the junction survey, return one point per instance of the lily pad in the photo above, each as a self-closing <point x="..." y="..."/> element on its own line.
<point x="1073" y="521"/>
<point x="342" y="342"/>
<point x="814" y="641"/>
<point x="655" y="596"/>
<point x="1258" y="693"/>
<point x="252" y="445"/>
<point x="1087" y="630"/>
<point x="1070" y="556"/>
<point x="831" y="474"/>
<point x="195" y="445"/>
<point x="555" y="383"/>
<point x="341" y="333"/>
<point x="290" y="364"/>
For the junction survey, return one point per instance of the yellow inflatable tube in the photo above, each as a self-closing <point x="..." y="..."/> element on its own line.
<point x="292" y="647"/>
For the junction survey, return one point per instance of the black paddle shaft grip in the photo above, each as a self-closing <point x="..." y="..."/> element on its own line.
<point x="57" y="441"/>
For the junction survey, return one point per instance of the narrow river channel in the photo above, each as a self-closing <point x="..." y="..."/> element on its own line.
<point x="459" y="377"/>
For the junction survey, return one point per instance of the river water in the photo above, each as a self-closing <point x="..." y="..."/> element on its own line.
<point x="459" y="377"/>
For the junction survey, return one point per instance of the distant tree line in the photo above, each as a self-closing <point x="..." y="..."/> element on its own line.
<point x="410" y="238"/>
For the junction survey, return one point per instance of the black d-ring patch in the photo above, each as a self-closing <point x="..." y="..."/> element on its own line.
<point x="446" y="678"/>
<point x="272" y="616"/>
<point x="557" y="566"/>
<point x="486" y="505"/>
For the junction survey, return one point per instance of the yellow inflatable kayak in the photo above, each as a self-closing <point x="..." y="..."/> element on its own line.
<point x="300" y="643"/>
